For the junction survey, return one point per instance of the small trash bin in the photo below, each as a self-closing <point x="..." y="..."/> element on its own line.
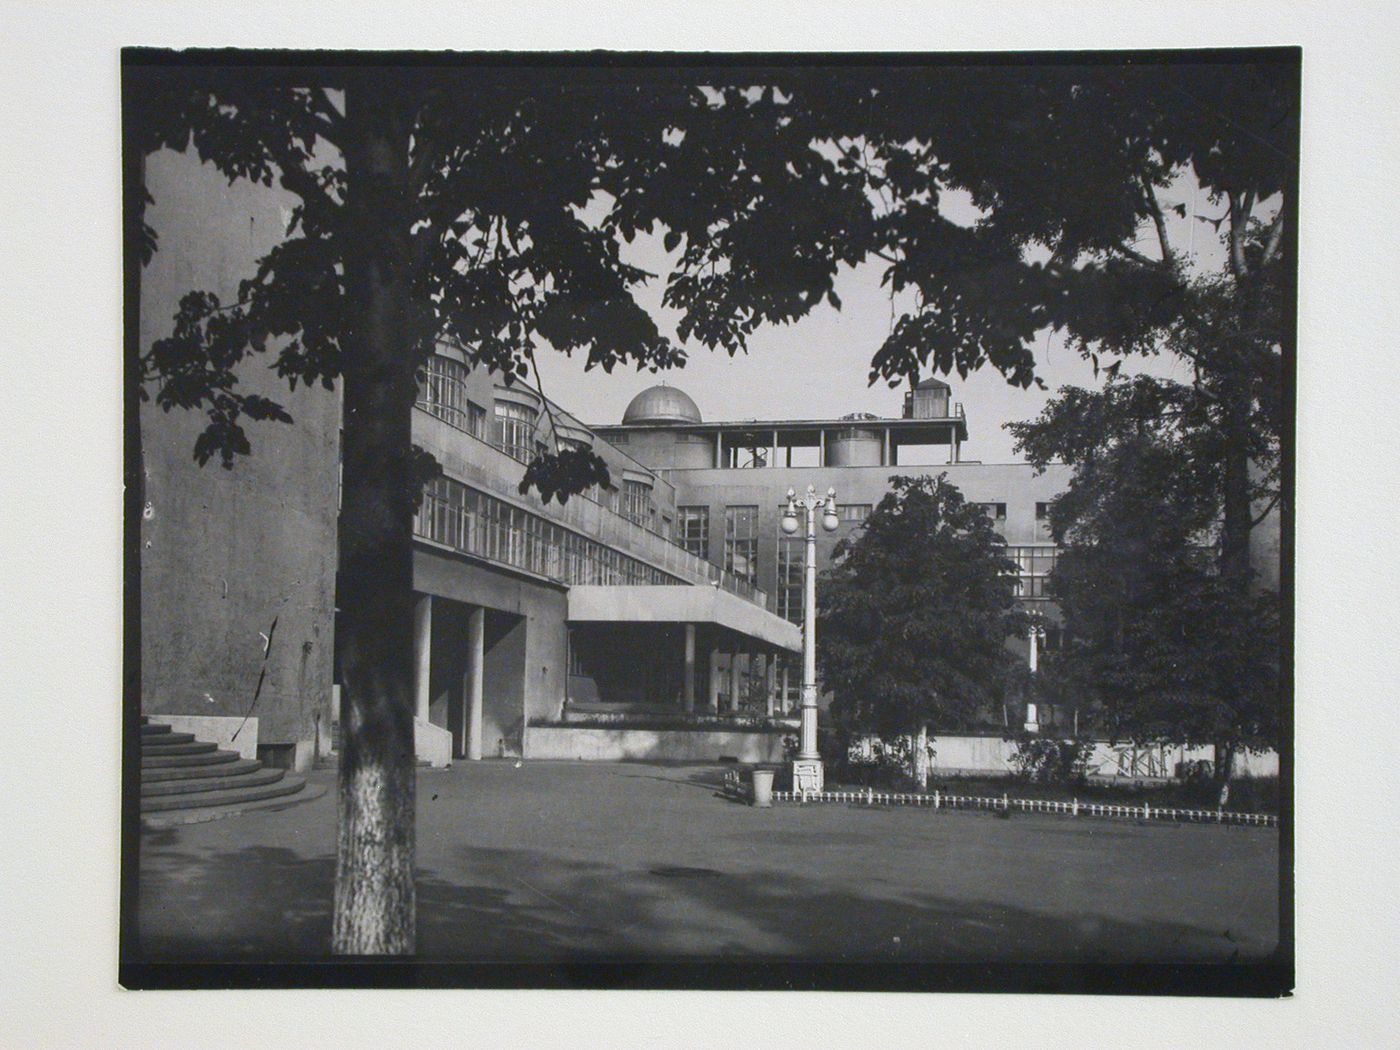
<point x="763" y="788"/>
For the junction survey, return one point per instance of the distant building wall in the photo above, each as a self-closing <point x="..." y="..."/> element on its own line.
<point x="1016" y="485"/>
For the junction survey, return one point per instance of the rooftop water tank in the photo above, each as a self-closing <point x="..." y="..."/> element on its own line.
<point x="928" y="400"/>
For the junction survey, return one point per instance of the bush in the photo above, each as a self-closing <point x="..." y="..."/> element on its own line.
<point x="1044" y="760"/>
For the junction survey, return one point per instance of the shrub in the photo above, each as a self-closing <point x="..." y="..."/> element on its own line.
<point x="1045" y="760"/>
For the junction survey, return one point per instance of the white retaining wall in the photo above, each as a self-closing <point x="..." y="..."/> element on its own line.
<point x="432" y="744"/>
<point x="217" y="729"/>
<point x="967" y="755"/>
<point x="618" y="745"/>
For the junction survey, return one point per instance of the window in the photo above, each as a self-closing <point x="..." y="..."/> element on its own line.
<point x="1033" y="568"/>
<point x="443" y="393"/>
<point x="694" y="530"/>
<point x="474" y="523"/>
<point x="515" y="430"/>
<point x="853" y="511"/>
<point x="1042" y="512"/>
<point x="790" y="557"/>
<point x="995" y="511"/>
<point x="636" y="502"/>
<point x="741" y="542"/>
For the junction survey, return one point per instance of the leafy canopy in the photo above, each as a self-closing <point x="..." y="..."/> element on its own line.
<point x="915" y="611"/>
<point x="1160" y="646"/>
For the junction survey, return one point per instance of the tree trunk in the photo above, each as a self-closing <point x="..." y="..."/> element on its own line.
<point x="1238" y="511"/>
<point x="1224" y="761"/>
<point x="374" y="891"/>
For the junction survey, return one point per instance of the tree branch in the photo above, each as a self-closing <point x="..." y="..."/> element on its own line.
<point x="1159" y="221"/>
<point x="1275" y="239"/>
<point x="331" y="118"/>
<point x="1241" y="207"/>
<point x="1138" y="257"/>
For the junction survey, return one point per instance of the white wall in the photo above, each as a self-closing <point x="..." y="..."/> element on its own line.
<point x="617" y="745"/>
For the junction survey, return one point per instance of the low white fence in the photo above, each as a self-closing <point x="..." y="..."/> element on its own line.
<point x="1074" y="808"/>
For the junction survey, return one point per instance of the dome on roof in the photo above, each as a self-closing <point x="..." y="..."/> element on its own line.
<point x="661" y="404"/>
<point x="933" y="384"/>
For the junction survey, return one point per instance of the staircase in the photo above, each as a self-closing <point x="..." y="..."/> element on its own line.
<point x="184" y="780"/>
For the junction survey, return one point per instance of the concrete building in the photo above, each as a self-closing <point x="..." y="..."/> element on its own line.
<point x="668" y="596"/>
<point x="522" y="606"/>
<point x="731" y="481"/>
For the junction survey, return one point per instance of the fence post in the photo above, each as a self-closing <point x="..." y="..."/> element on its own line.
<point x="1005" y="802"/>
<point x="937" y="799"/>
<point x="1074" y="808"/>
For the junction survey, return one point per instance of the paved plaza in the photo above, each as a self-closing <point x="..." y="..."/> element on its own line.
<point x="552" y="861"/>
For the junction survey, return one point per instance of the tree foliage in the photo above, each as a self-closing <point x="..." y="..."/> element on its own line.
<point x="914" y="613"/>
<point x="1162" y="645"/>
<point x="488" y="205"/>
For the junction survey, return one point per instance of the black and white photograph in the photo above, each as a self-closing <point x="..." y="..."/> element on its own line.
<point x="562" y="533"/>
<point x="634" y="513"/>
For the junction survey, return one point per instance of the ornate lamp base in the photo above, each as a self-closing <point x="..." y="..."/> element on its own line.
<point x="807" y="775"/>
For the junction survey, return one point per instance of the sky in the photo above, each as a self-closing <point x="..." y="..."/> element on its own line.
<point x="818" y="366"/>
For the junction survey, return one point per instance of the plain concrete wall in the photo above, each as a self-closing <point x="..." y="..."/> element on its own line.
<point x="218" y="730"/>
<point x="225" y="552"/>
<point x="432" y="744"/>
<point x="618" y="745"/>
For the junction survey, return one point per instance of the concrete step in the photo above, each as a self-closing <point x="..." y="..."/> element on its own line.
<point x="196" y="785"/>
<point x="172" y="818"/>
<point x="286" y="785"/>
<point x="147" y="729"/>
<point x="206" y="758"/>
<point x="221" y="769"/>
<point x="183" y="747"/>
<point x="164" y="741"/>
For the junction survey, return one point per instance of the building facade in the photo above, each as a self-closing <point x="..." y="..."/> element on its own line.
<point x="731" y="481"/>
<point x="667" y="596"/>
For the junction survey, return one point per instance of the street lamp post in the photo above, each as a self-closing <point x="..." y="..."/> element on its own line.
<point x="807" y="766"/>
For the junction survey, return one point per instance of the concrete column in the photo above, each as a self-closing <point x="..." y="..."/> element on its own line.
<point x="885" y="450"/>
<point x="770" y="667"/>
<point x="734" y="680"/>
<point x="714" y="679"/>
<point x="786" y="685"/>
<point x="422" y="655"/>
<point x="688" y="688"/>
<point x="719" y="449"/>
<point x="476" y="654"/>
<point x="773" y="460"/>
<point x="821" y="448"/>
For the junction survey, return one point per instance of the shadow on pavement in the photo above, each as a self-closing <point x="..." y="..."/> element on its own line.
<point x="258" y="903"/>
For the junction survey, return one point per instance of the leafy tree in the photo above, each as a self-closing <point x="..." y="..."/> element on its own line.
<point x="486" y="207"/>
<point x="914" y="613"/>
<point x="1162" y="642"/>
<point x="1071" y="167"/>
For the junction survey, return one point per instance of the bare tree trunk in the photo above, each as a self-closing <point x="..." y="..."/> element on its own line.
<point x="1238" y="510"/>
<point x="374" y="890"/>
